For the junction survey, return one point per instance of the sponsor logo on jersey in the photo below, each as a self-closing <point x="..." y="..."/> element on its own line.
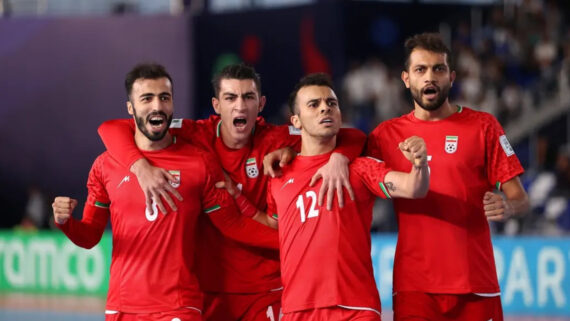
<point x="176" y="123"/>
<point x="176" y="174"/>
<point x="289" y="181"/>
<point x="451" y="144"/>
<point x="506" y="146"/>
<point x="294" y="131"/>
<point x="124" y="180"/>
<point x="251" y="168"/>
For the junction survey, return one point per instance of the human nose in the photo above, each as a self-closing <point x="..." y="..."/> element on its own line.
<point x="324" y="108"/>
<point x="240" y="104"/>
<point x="429" y="76"/>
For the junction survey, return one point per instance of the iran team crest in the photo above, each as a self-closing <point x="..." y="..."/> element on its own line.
<point x="251" y="168"/>
<point x="176" y="174"/>
<point x="451" y="144"/>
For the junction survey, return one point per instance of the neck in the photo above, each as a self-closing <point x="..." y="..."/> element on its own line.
<point x="312" y="146"/>
<point x="143" y="143"/>
<point x="444" y="111"/>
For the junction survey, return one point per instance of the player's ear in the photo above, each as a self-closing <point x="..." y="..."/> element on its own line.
<point x="130" y="108"/>
<point x="262" y="101"/>
<point x="216" y="105"/>
<point x="295" y="121"/>
<point x="452" y="77"/>
<point x="406" y="78"/>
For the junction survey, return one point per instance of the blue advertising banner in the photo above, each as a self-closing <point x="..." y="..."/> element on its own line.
<point x="533" y="272"/>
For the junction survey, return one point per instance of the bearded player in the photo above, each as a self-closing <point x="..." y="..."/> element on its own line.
<point x="444" y="267"/>
<point x="152" y="269"/>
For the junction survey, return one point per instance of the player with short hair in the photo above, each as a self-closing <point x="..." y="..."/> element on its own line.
<point x="325" y="254"/>
<point x="444" y="267"/>
<point x="241" y="282"/>
<point x="152" y="267"/>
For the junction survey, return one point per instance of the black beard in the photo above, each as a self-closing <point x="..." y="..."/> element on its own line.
<point x="430" y="106"/>
<point x="154" y="136"/>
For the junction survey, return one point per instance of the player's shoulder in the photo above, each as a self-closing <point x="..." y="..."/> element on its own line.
<point x="103" y="158"/>
<point x="364" y="162"/>
<point x="102" y="161"/>
<point x="210" y="123"/>
<point x="391" y="123"/>
<point x="470" y="114"/>
<point x="265" y="130"/>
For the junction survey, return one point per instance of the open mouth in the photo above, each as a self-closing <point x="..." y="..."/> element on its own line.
<point x="430" y="92"/>
<point x="326" y="121"/>
<point x="156" y="119"/>
<point x="240" y="122"/>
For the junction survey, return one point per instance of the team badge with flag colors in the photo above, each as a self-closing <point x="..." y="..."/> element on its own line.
<point x="251" y="168"/>
<point x="451" y="144"/>
<point x="176" y="174"/>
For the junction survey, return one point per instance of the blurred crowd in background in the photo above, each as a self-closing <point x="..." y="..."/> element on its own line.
<point x="516" y="66"/>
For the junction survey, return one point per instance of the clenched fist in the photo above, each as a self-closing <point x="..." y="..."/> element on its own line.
<point x="62" y="208"/>
<point x="415" y="150"/>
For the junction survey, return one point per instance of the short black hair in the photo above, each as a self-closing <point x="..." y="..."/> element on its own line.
<point x="145" y="71"/>
<point x="315" y="79"/>
<point x="236" y="71"/>
<point x="430" y="41"/>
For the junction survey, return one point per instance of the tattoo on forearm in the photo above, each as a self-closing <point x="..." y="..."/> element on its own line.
<point x="390" y="186"/>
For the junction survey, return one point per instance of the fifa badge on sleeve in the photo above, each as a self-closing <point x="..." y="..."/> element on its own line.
<point x="251" y="168"/>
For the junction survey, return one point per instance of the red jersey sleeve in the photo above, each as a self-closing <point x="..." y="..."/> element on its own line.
<point x="87" y="232"/>
<point x="118" y="137"/>
<point x="373" y="144"/>
<point x="502" y="163"/>
<point x="372" y="173"/>
<point x="350" y="142"/>
<point x="282" y="136"/>
<point x="220" y="207"/>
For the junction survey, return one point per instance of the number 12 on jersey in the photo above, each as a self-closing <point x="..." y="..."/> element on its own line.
<point x="301" y="205"/>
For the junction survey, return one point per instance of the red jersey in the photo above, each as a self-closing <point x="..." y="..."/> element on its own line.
<point x="153" y="254"/>
<point x="224" y="265"/>
<point x="444" y="243"/>
<point x="325" y="255"/>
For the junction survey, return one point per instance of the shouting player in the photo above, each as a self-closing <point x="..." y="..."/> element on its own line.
<point x="241" y="282"/>
<point x="444" y="267"/>
<point x="152" y="275"/>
